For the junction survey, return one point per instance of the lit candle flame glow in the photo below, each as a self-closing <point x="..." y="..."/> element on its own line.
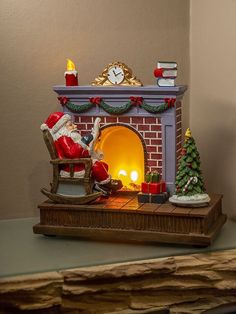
<point x="70" y="65"/>
<point x="134" y="175"/>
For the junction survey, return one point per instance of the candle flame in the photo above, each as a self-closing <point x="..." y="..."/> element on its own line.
<point x="122" y="173"/>
<point x="128" y="177"/>
<point x="70" y="65"/>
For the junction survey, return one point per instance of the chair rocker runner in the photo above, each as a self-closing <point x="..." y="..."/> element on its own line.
<point x="69" y="190"/>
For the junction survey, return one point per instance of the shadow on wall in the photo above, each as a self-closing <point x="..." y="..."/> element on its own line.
<point x="218" y="152"/>
<point x="39" y="178"/>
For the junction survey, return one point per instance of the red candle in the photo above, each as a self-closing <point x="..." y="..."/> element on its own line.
<point x="71" y="74"/>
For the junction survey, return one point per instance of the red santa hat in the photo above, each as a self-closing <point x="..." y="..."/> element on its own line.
<point x="55" y="121"/>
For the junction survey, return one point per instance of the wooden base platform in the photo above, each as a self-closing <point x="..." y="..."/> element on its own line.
<point x="122" y="218"/>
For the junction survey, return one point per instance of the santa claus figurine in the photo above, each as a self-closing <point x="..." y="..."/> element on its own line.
<point x="70" y="144"/>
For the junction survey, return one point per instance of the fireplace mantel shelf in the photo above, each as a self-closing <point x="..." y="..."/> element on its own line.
<point x="131" y="90"/>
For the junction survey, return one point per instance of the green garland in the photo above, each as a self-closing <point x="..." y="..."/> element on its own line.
<point x="155" y="109"/>
<point x="117" y="110"/>
<point x="78" y="108"/>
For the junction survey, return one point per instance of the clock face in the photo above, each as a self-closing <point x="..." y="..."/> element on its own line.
<point x="115" y="75"/>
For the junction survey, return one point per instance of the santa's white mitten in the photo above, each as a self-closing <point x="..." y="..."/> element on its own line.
<point x="95" y="130"/>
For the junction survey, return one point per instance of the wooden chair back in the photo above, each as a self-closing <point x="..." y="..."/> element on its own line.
<point x="48" y="139"/>
<point x="86" y="181"/>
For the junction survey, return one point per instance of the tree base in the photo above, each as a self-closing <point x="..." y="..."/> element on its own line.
<point x="197" y="200"/>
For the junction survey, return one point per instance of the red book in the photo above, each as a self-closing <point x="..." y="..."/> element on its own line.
<point x="165" y="73"/>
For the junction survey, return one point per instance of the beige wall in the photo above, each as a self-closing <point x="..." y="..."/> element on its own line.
<point x="37" y="37"/>
<point x="213" y="93"/>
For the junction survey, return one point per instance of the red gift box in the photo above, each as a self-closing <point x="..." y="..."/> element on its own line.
<point x="153" y="188"/>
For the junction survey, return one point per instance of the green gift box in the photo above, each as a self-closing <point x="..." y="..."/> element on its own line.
<point x="152" y="177"/>
<point x="155" y="177"/>
<point x="148" y="177"/>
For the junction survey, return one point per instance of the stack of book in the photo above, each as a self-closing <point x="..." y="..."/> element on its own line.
<point x="166" y="73"/>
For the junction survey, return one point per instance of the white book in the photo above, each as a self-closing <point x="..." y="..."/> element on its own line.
<point x="166" y="82"/>
<point x="169" y="73"/>
<point x="166" y="65"/>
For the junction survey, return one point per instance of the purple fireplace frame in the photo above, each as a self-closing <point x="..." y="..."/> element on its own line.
<point x="170" y="120"/>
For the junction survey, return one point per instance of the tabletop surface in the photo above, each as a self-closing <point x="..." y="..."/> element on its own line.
<point x="22" y="252"/>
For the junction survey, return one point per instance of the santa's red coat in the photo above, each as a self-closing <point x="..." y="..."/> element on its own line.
<point x="67" y="148"/>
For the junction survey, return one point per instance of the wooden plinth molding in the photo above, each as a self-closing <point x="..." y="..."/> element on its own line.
<point x="178" y="284"/>
<point x="123" y="218"/>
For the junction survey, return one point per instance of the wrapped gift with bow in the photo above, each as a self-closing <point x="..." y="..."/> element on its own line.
<point x="153" y="183"/>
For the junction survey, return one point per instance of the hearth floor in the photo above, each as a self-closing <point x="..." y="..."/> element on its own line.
<point x="129" y="202"/>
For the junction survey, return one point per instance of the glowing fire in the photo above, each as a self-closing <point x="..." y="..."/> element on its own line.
<point x="70" y="65"/>
<point x="134" y="176"/>
<point x="124" y="154"/>
<point x="122" y="173"/>
<point x="129" y="178"/>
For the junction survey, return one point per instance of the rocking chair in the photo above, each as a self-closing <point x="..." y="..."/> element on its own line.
<point x="69" y="190"/>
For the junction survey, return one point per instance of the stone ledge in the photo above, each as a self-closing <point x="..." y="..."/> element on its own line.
<point x="182" y="284"/>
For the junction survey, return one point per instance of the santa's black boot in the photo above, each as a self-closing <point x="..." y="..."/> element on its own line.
<point x="102" y="188"/>
<point x="110" y="187"/>
<point x="114" y="185"/>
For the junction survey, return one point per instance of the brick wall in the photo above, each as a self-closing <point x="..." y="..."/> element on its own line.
<point x="149" y="128"/>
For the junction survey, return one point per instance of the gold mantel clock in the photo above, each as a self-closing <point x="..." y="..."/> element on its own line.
<point x="117" y="73"/>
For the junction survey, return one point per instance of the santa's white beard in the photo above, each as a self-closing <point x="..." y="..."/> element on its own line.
<point x="74" y="135"/>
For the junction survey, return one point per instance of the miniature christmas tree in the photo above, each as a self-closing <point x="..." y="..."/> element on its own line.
<point x="189" y="184"/>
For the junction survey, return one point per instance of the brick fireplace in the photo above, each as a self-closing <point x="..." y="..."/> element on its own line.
<point x="147" y="128"/>
<point x="159" y="134"/>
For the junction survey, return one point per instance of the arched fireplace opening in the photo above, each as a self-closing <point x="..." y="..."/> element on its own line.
<point x="125" y="152"/>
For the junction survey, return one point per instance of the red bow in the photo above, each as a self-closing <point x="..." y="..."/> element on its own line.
<point x="137" y="101"/>
<point x="170" y="102"/>
<point x="95" y="100"/>
<point x="63" y="100"/>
